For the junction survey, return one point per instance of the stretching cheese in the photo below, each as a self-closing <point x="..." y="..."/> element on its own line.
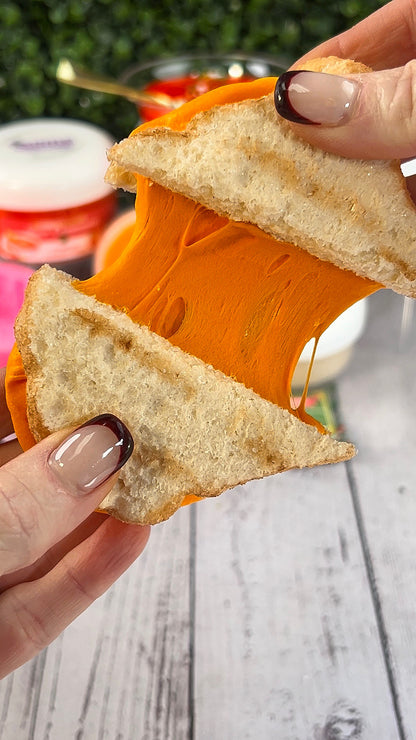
<point x="223" y="291"/>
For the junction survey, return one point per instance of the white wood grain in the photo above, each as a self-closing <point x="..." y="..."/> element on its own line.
<point x="285" y="626"/>
<point x="378" y="403"/>
<point x="121" y="670"/>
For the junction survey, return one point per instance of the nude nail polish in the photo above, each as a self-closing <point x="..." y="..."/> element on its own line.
<point x="92" y="453"/>
<point x="316" y="97"/>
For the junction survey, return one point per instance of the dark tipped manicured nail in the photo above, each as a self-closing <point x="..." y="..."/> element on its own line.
<point x="316" y="97"/>
<point x="92" y="453"/>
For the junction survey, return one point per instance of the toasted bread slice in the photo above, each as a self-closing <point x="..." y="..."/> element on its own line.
<point x="356" y="214"/>
<point x="195" y="430"/>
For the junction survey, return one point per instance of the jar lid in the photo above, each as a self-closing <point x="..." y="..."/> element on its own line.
<point x="52" y="163"/>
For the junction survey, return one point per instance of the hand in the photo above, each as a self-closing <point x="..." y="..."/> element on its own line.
<point x="369" y="116"/>
<point x="56" y="555"/>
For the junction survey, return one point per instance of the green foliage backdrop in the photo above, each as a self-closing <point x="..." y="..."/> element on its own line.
<point x="109" y="35"/>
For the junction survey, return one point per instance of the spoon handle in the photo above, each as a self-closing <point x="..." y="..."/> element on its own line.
<point x="70" y="74"/>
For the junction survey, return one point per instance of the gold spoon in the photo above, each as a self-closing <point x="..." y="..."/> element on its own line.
<point x="73" y="75"/>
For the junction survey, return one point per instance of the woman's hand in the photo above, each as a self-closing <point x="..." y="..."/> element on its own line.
<point x="56" y="554"/>
<point x="369" y="116"/>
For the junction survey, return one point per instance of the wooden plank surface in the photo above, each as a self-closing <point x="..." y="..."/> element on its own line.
<point x="378" y="403"/>
<point x="287" y="644"/>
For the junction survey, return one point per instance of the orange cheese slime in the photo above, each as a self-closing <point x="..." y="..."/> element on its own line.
<point x="223" y="291"/>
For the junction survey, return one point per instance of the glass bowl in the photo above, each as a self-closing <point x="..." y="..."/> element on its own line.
<point x="189" y="75"/>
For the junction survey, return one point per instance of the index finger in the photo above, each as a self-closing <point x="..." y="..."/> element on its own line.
<point x="34" y="613"/>
<point x="386" y="39"/>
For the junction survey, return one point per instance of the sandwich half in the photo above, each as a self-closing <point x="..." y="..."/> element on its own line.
<point x="248" y="243"/>
<point x="196" y="431"/>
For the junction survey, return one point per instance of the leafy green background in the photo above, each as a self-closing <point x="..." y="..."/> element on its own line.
<point x="109" y="35"/>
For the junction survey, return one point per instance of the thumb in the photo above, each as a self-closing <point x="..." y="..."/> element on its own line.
<point x="365" y="116"/>
<point x="47" y="492"/>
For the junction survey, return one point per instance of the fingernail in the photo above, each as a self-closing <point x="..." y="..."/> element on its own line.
<point x="316" y="97"/>
<point x="92" y="453"/>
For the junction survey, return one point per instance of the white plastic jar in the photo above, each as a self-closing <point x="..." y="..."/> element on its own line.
<point x="54" y="203"/>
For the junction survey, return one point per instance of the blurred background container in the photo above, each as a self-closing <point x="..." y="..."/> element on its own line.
<point x="186" y="76"/>
<point x="54" y="203"/>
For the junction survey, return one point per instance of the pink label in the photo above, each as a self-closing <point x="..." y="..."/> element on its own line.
<point x="13" y="281"/>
